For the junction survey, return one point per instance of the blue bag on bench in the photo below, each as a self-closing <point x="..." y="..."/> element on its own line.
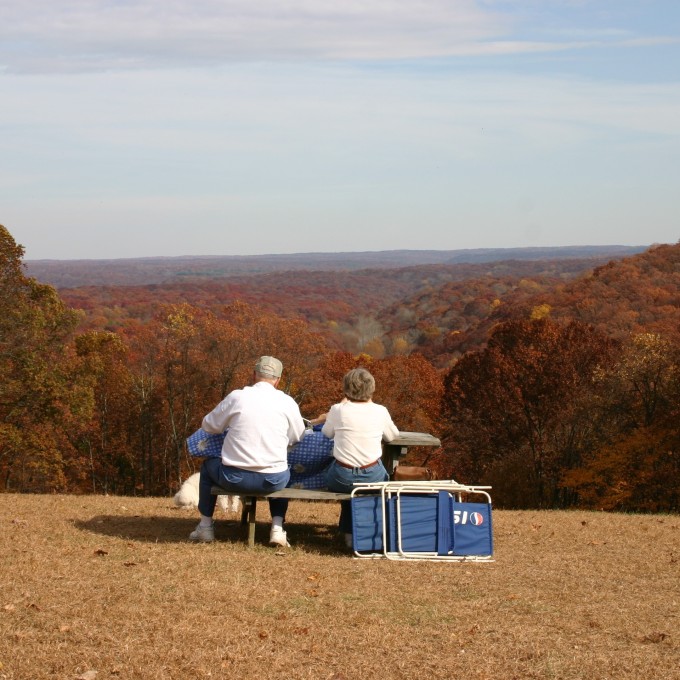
<point x="202" y="444"/>
<point x="308" y="459"/>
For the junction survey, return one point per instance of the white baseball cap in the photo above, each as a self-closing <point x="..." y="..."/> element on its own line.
<point x="269" y="367"/>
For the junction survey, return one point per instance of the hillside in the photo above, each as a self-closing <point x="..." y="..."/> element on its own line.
<point x="630" y="295"/>
<point x="108" y="586"/>
<point x="334" y="300"/>
<point x="636" y="294"/>
<point x="157" y="270"/>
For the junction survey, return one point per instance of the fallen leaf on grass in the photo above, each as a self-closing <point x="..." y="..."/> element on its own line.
<point x="263" y="635"/>
<point x="88" y="675"/>
<point x="313" y="577"/>
<point x="536" y="527"/>
<point x="33" y="605"/>
<point x="101" y="552"/>
<point x="654" y="638"/>
<point x="129" y="564"/>
<point x="313" y="593"/>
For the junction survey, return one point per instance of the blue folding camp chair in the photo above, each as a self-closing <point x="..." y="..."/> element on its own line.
<point x="437" y="520"/>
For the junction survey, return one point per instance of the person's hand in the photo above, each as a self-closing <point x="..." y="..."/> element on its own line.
<point x="319" y="419"/>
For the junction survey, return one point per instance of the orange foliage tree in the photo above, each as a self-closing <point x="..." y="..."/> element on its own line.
<point x="103" y="440"/>
<point x="409" y="386"/>
<point x="186" y="359"/>
<point x="636" y="465"/>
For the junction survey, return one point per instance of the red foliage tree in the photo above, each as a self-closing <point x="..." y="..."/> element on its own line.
<point x="518" y="411"/>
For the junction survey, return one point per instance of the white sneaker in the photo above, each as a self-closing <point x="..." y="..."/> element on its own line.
<point x="277" y="536"/>
<point x="203" y="534"/>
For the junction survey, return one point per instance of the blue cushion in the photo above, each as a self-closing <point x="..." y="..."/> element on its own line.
<point x="203" y="444"/>
<point x="308" y="459"/>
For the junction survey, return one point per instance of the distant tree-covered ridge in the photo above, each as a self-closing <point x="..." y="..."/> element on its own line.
<point x="150" y="270"/>
<point x="373" y="307"/>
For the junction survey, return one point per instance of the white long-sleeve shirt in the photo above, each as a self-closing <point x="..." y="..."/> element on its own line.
<point x="358" y="430"/>
<point x="262" y="422"/>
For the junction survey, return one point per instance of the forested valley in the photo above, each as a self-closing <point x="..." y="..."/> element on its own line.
<point x="556" y="381"/>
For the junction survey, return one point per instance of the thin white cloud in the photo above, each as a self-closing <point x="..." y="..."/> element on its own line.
<point x="94" y="35"/>
<point x="48" y="35"/>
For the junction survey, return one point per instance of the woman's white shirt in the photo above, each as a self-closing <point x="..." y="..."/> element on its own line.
<point x="358" y="430"/>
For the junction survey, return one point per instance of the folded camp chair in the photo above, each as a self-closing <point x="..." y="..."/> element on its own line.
<point x="435" y="520"/>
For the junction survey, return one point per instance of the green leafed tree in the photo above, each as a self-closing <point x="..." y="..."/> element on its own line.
<point x="37" y="395"/>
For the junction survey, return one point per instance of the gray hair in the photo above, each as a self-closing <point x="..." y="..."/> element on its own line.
<point x="358" y="385"/>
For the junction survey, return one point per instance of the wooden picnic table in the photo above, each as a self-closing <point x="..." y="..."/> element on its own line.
<point x="392" y="453"/>
<point x="399" y="447"/>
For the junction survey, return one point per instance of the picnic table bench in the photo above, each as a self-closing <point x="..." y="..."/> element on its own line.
<point x="392" y="452"/>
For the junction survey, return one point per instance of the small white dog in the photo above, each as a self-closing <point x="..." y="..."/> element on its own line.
<point x="187" y="496"/>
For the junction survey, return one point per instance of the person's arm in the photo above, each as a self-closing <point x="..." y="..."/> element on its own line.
<point x="328" y="428"/>
<point x="390" y="430"/>
<point x="319" y="419"/>
<point x="217" y="420"/>
<point x="296" y="426"/>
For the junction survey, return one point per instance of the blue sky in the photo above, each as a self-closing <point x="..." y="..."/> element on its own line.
<point x="235" y="127"/>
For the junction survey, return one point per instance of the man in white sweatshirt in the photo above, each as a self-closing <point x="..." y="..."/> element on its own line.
<point x="262" y="423"/>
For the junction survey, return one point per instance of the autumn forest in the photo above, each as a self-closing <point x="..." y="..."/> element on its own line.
<point x="557" y="381"/>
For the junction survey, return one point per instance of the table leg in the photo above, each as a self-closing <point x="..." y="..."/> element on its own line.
<point x="391" y="456"/>
<point x="252" y="507"/>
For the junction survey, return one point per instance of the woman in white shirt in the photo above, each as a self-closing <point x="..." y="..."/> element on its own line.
<point x="358" y="427"/>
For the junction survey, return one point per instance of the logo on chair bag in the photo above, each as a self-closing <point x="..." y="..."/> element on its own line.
<point x="465" y="517"/>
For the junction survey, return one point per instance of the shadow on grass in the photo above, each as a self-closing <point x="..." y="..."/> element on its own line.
<point x="320" y="538"/>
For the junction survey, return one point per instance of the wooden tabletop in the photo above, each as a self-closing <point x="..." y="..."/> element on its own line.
<point x="415" y="439"/>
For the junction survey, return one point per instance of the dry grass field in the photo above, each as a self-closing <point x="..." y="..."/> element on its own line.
<point x="109" y="588"/>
